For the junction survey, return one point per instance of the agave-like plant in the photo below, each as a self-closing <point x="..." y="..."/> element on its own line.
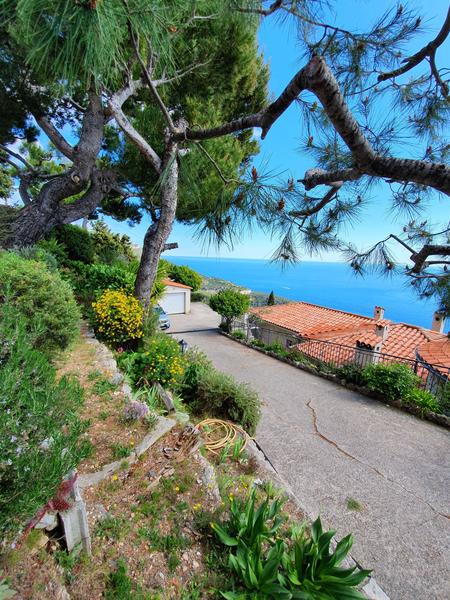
<point x="248" y="524"/>
<point x="312" y="571"/>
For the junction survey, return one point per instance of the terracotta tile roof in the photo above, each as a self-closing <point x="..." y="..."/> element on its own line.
<point x="176" y="284"/>
<point x="310" y="320"/>
<point x="327" y="324"/>
<point x="436" y="352"/>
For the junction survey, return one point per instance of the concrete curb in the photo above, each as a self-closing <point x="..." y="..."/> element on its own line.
<point x="428" y="415"/>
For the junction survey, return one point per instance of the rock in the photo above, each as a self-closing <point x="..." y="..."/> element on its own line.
<point x="49" y="521"/>
<point x="115" y="378"/>
<point x="126" y="389"/>
<point x="195" y="564"/>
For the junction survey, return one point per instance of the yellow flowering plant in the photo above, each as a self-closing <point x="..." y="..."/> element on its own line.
<point x="118" y="317"/>
<point x="162" y="362"/>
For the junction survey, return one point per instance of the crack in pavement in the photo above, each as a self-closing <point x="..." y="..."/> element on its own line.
<point x="364" y="464"/>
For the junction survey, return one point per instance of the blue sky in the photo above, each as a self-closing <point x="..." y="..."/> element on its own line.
<point x="279" y="152"/>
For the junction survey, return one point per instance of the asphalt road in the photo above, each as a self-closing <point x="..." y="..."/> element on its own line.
<point x="333" y="447"/>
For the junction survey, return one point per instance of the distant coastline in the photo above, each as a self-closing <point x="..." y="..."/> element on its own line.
<point x="331" y="284"/>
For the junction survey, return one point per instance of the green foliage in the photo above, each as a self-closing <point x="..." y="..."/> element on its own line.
<point x="271" y="299"/>
<point x="269" y="565"/>
<point x="229" y="304"/>
<point x="43" y="298"/>
<point x="40" y="427"/>
<point x="199" y="297"/>
<point x="238" y="334"/>
<point x="89" y="281"/>
<point x="313" y="569"/>
<point x="121" y="587"/>
<point x="351" y="373"/>
<point x="219" y="395"/>
<point x="185" y="275"/>
<point x="196" y="363"/>
<point x="110" y="247"/>
<point x="76" y="241"/>
<point x="5" y="591"/>
<point x="258" y="343"/>
<point x="423" y="399"/>
<point x="277" y="349"/>
<point x="395" y="381"/>
<point x="161" y="363"/>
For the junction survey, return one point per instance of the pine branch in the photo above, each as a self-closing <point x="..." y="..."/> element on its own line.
<point x="428" y="51"/>
<point x="135" y="137"/>
<point x="55" y="137"/>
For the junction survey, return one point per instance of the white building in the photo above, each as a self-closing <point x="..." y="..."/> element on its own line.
<point x="176" y="299"/>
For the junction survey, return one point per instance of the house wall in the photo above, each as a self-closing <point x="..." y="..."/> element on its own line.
<point x="269" y="334"/>
<point x="171" y="290"/>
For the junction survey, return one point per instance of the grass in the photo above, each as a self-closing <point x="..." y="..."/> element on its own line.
<point x="353" y="504"/>
<point x="111" y="528"/>
<point x="121" y="451"/>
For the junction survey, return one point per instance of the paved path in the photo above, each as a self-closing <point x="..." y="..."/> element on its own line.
<point x="332" y="445"/>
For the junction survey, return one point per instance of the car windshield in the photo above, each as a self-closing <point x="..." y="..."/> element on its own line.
<point x="159" y="310"/>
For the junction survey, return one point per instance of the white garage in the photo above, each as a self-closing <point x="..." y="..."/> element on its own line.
<point x="176" y="299"/>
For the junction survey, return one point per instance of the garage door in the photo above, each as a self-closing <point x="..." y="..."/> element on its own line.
<point x="174" y="303"/>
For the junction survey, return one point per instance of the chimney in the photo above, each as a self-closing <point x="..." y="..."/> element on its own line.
<point x="438" y="322"/>
<point x="382" y="331"/>
<point x="378" y="313"/>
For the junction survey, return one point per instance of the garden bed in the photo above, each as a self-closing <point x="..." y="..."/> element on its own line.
<point x="436" y="418"/>
<point x="111" y="438"/>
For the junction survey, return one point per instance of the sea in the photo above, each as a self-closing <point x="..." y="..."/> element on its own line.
<point x="331" y="284"/>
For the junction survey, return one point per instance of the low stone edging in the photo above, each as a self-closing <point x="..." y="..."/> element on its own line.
<point x="428" y="415"/>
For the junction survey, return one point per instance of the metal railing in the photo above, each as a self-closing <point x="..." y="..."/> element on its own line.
<point x="433" y="377"/>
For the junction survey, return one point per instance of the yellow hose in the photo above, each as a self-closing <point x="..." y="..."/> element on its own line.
<point x="218" y="433"/>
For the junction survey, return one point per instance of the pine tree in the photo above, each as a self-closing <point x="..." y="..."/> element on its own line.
<point x="271" y="299"/>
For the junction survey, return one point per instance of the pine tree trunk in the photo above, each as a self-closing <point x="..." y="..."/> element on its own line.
<point x="157" y="234"/>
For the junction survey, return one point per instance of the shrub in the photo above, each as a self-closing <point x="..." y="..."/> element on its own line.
<point x="395" y="381"/>
<point x="110" y="247"/>
<point x="258" y="343"/>
<point x="278" y="349"/>
<point x="199" y="297"/>
<point x="269" y="565"/>
<point x="76" y="241"/>
<point x="89" y="281"/>
<point x="196" y="363"/>
<point x="43" y="298"/>
<point x="161" y="363"/>
<point x="351" y="373"/>
<point x="219" y="395"/>
<point x="186" y="276"/>
<point x="423" y="399"/>
<point x="118" y="317"/>
<point x="39" y="427"/>
<point x="229" y="304"/>
<point x="239" y="334"/>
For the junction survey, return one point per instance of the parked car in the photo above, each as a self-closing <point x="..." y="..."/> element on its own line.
<point x="163" y="317"/>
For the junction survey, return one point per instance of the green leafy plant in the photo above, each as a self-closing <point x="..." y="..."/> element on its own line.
<point x="258" y="343"/>
<point x="5" y="591"/>
<point x="76" y="241"/>
<point x="422" y="399"/>
<point x="185" y="275"/>
<point x="218" y="394"/>
<point x="312" y="570"/>
<point x="196" y="363"/>
<point x="238" y="334"/>
<point x="162" y="363"/>
<point x="351" y="373"/>
<point x="199" y="297"/>
<point x="40" y="428"/>
<point x="46" y="302"/>
<point x="395" y="381"/>
<point x="229" y="304"/>
<point x="120" y="586"/>
<point x="249" y="524"/>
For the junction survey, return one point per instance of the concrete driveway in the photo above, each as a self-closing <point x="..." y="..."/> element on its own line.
<point x="334" y="447"/>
